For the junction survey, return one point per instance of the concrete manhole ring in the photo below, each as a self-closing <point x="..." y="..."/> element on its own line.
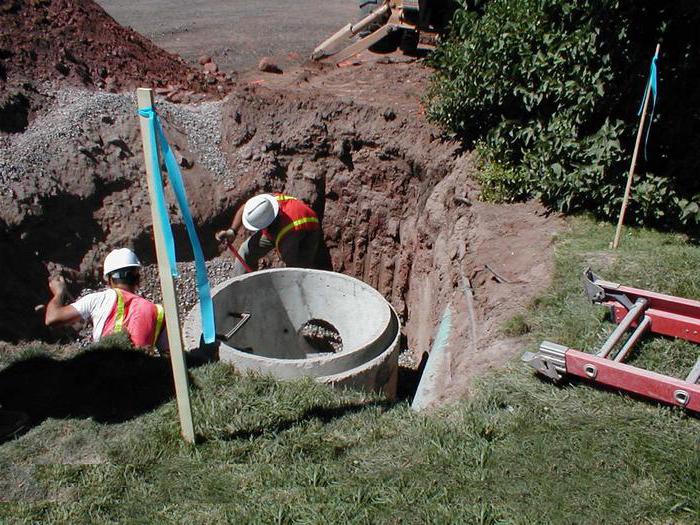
<point x="293" y="322"/>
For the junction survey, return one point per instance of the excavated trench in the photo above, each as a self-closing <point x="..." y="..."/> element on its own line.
<point x="396" y="201"/>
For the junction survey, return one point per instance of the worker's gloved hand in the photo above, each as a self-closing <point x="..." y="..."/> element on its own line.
<point x="57" y="285"/>
<point x="225" y="236"/>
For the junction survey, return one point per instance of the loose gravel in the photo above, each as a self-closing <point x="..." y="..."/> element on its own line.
<point x="29" y="154"/>
<point x="202" y="125"/>
<point x="76" y="114"/>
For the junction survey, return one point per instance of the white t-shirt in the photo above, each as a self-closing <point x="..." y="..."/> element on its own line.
<point x="96" y="307"/>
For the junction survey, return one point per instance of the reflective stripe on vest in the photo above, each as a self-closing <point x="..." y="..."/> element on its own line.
<point x="159" y="323"/>
<point x="291" y="226"/>
<point x="119" y="320"/>
<point x="281" y="197"/>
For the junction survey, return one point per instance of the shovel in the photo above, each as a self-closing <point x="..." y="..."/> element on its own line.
<point x="235" y="253"/>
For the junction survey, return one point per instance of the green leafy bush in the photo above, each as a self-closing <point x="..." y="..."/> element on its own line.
<point x="550" y="89"/>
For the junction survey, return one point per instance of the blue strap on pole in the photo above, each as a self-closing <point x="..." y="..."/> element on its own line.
<point x="161" y="209"/>
<point x="205" y="303"/>
<point x="651" y="83"/>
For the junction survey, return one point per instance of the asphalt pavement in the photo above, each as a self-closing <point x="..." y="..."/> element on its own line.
<point x="236" y="33"/>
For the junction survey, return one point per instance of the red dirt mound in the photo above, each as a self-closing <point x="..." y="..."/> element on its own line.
<point x="76" y="43"/>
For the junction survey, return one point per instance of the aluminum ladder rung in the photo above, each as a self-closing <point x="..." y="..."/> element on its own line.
<point x="631" y="317"/>
<point x="633" y="339"/>
<point x="694" y="375"/>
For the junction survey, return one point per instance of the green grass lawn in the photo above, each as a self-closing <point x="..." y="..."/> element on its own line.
<point x="522" y="450"/>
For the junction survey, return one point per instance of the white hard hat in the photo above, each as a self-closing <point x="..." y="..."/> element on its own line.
<point x="260" y="211"/>
<point x="119" y="259"/>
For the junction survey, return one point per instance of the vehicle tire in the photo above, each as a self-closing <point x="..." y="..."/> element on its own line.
<point x="409" y="41"/>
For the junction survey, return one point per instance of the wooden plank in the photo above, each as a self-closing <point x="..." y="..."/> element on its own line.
<point x="633" y="164"/>
<point x="177" y="359"/>
<point x="365" y="43"/>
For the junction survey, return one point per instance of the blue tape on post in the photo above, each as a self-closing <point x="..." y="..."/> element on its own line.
<point x="650" y="87"/>
<point x="205" y="302"/>
<point x="161" y="209"/>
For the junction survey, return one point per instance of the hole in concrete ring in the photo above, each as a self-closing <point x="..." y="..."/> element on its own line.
<point x="321" y="335"/>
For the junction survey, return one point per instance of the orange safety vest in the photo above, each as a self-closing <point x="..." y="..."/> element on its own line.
<point x="142" y="319"/>
<point x="293" y="215"/>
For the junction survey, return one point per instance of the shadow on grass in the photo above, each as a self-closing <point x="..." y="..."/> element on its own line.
<point x="110" y="386"/>
<point x="409" y="379"/>
<point x="320" y="413"/>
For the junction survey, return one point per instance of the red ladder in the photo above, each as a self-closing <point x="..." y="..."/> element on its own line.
<point x="641" y="311"/>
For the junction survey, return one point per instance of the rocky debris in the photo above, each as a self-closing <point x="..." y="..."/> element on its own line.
<point x="214" y="76"/>
<point x="219" y="269"/>
<point x="102" y="128"/>
<point x="267" y="65"/>
<point x="76" y="43"/>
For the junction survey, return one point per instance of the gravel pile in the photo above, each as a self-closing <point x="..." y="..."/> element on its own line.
<point x="407" y="359"/>
<point x="77" y="115"/>
<point x="218" y="270"/>
<point x="29" y="154"/>
<point x="202" y="125"/>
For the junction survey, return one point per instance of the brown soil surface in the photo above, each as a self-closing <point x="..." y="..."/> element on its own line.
<point x="50" y="43"/>
<point x="397" y="201"/>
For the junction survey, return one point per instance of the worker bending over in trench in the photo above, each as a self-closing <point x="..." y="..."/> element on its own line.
<point x="277" y="221"/>
<point x="115" y="309"/>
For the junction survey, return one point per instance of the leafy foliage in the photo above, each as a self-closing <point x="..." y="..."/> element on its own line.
<point x="550" y="89"/>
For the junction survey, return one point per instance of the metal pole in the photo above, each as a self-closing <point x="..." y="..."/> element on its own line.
<point x="619" y="331"/>
<point x="177" y="360"/>
<point x="634" y="338"/>
<point x="694" y="373"/>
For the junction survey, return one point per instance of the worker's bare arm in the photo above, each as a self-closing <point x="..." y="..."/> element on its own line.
<point x="57" y="313"/>
<point x="230" y="234"/>
<point x="237" y="219"/>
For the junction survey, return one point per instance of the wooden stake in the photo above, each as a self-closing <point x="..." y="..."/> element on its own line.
<point x="177" y="360"/>
<point x="630" y="175"/>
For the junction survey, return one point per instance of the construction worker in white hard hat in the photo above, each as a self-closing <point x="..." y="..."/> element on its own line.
<point x="276" y="221"/>
<point x="115" y="309"/>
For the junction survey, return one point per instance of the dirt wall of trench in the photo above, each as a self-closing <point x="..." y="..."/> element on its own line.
<point x="398" y="205"/>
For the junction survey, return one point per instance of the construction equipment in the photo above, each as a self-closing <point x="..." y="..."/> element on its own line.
<point x="642" y="311"/>
<point x="405" y="17"/>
